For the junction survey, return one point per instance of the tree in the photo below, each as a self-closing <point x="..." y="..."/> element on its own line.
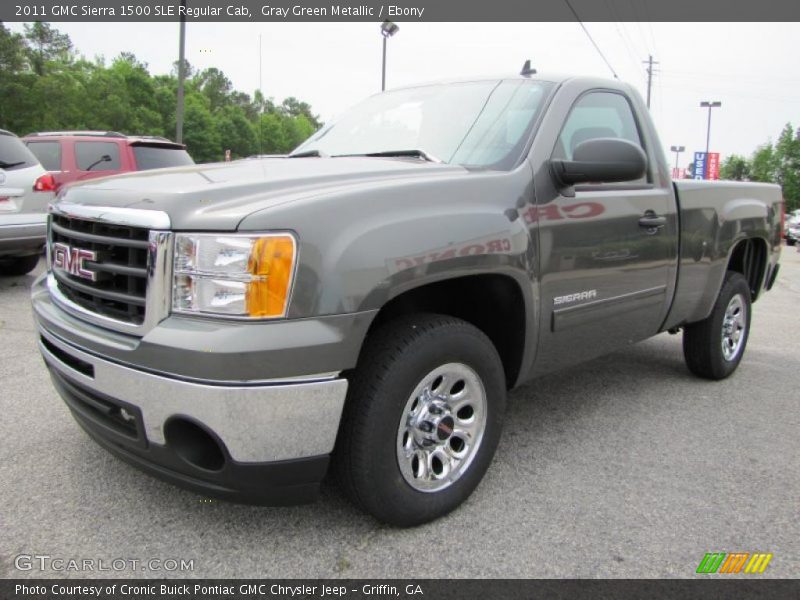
<point x="216" y="87"/>
<point x="200" y="134"/>
<point x="12" y="51"/>
<point x="293" y="107"/>
<point x="762" y="164"/>
<point x="296" y="130"/>
<point x="272" y="138"/>
<point x="237" y="134"/>
<point x="735" y="167"/>
<point x="46" y="45"/>
<point x="13" y="91"/>
<point x="787" y="166"/>
<point x="45" y="85"/>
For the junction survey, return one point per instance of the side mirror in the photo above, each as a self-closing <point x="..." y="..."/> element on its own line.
<point x="601" y="160"/>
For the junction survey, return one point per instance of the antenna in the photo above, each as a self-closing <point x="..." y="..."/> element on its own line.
<point x="527" y="70"/>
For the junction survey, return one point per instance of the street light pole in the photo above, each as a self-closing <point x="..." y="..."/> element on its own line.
<point x="709" y="105"/>
<point x="677" y="150"/>
<point x="383" y="69"/>
<point x="388" y="29"/>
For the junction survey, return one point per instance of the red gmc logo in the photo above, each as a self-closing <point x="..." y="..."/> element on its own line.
<point x="71" y="260"/>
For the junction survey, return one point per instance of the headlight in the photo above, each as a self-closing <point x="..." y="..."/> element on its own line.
<point x="233" y="275"/>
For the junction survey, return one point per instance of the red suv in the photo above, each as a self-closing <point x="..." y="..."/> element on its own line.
<point x="80" y="155"/>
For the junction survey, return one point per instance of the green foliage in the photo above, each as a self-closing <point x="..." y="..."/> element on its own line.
<point x="787" y="166"/>
<point x="762" y="163"/>
<point x="45" y="86"/>
<point x="735" y="167"/>
<point x="774" y="163"/>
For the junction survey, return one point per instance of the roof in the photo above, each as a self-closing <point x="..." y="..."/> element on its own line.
<point x="132" y="139"/>
<point x="89" y="133"/>
<point x="556" y="78"/>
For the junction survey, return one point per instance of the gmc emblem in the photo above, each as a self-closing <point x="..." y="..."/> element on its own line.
<point x="71" y="260"/>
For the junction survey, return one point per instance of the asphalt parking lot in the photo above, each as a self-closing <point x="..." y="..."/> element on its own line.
<point x="623" y="467"/>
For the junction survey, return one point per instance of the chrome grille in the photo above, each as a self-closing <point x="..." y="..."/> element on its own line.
<point x="119" y="289"/>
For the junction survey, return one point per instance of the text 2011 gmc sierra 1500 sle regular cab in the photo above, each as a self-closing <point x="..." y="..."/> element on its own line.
<point x="368" y="300"/>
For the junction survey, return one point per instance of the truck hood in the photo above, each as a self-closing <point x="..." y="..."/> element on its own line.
<point x="218" y="196"/>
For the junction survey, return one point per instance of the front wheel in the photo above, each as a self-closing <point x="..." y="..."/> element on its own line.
<point x="22" y="265"/>
<point x="422" y="419"/>
<point x="714" y="347"/>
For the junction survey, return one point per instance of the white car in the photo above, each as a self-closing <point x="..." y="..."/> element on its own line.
<point x="24" y="196"/>
<point x="793" y="234"/>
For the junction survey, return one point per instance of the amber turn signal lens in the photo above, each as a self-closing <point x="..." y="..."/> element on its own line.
<point x="271" y="265"/>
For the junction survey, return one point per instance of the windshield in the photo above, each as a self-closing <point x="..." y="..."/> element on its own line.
<point x="481" y="123"/>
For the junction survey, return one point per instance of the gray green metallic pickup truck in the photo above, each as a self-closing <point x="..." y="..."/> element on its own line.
<point x="366" y="302"/>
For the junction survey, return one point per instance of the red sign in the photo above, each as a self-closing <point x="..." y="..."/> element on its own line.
<point x="678" y="173"/>
<point x="712" y="166"/>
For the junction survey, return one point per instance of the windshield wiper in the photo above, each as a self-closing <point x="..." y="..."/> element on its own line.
<point x="308" y="153"/>
<point x="413" y="153"/>
<point x="7" y="165"/>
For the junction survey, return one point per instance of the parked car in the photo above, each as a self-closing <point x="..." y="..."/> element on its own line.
<point x="23" y="210"/>
<point x="793" y="234"/>
<point x="82" y="155"/>
<point x="791" y="220"/>
<point x="365" y="304"/>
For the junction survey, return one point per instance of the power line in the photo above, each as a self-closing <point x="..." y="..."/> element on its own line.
<point x="591" y="39"/>
<point x="628" y="47"/>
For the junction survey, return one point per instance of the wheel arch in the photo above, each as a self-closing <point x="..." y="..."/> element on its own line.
<point x="750" y="257"/>
<point x="494" y="303"/>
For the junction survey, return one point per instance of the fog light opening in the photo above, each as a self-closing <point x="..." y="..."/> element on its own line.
<point x="194" y="444"/>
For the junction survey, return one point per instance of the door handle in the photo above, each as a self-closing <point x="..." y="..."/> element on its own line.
<point x="651" y="220"/>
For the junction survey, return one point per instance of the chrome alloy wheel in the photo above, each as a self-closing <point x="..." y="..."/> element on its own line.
<point x="733" y="328"/>
<point x="441" y="427"/>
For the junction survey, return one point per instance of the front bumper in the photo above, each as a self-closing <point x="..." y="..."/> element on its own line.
<point x="22" y="234"/>
<point x="265" y="443"/>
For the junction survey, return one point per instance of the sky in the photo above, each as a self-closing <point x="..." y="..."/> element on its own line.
<point x="750" y="67"/>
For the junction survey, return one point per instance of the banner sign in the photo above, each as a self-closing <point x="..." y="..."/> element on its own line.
<point x="398" y="10"/>
<point x="699" y="165"/>
<point x="712" y="168"/>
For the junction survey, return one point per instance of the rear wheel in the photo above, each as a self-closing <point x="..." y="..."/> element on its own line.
<point x="422" y="419"/>
<point x="714" y="347"/>
<point x="21" y="265"/>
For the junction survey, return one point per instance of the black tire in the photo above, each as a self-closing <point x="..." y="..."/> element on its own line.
<point x="21" y="265"/>
<point x="395" y="360"/>
<point x="790" y="242"/>
<point x="703" y="341"/>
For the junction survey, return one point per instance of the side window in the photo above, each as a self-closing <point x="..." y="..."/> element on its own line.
<point x="48" y="153"/>
<point x="90" y="156"/>
<point x="597" y="115"/>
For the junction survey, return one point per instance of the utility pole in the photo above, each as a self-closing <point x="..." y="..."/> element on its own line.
<point x="649" y="62"/>
<point x="181" y="76"/>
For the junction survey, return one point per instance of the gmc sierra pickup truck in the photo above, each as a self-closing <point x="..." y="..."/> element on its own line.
<point x="368" y="300"/>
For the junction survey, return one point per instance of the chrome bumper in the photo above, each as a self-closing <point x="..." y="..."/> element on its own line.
<point x="259" y="423"/>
